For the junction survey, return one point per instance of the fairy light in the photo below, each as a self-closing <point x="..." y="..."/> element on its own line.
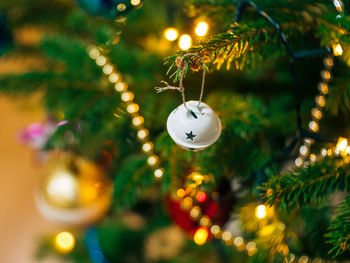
<point x="298" y="161"/>
<point x="131" y="108"/>
<point x="113" y="77"/>
<point x="201" y="29"/>
<point x="185" y="42"/>
<point x="238" y="241"/>
<point x="324" y="152"/>
<point x="313" y="126"/>
<point x="205" y="221"/>
<point x="64" y="242"/>
<point x="137" y="121"/>
<point x="171" y="33"/>
<point x="313" y="157"/>
<point x="316" y="113"/>
<point x="328" y="62"/>
<point x="120" y="86"/>
<point x="94" y="53"/>
<point x="101" y="60"/>
<point x="107" y="69"/>
<point x="323" y="87"/>
<point x="121" y="7"/>
<point x="215" y="229"/>
<point x="303" y="150"/>
<point x="148" y="146"/>
<point x="135" y="2"/>
<point x="342" y="144"/>
<point x="201" y="236"/>
<point x="260" y="211"/>
<point x="201" y="196"/>
<point x="180" y="193"/>
<point x="320" y="100"/>
<point x="226" y="236"/>
<point x="337" y="50"/>
<point x="159" y="172"/>
<point x="142" y="134"/>
<point x="338" y="5"/>
<point x="127" y="96"/>
<point x="152" y="160"/>
<point x="325" y="74"/>
<point x="195" y="212"/>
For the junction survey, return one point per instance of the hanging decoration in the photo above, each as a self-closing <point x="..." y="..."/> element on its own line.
<point x="193" y="125"/>
<point x="75" y="191"/>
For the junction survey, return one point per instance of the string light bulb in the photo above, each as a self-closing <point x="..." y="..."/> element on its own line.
<point x="132" y="108"/>
<point x="201" y="29"/>
<point x="337" y="50"/>
<point x="135" y="2"/>
<point x="201" y="236"/>
<point x="152" y="160"/>
<point x="260" y="211"/>
<point x="159" y="172"/>
<point x="342" y="144"/>
<point x="185" y="42"/>
<point x="64" y="242"/>
<point x="120" y="86"/>
<point x="142" y="134"/>
<point x="148" y="146"/>
<point x="137" y="121"/>
<point x="171" y="33"/>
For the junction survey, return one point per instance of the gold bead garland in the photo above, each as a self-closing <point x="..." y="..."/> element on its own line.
<point x="132" y="108"/>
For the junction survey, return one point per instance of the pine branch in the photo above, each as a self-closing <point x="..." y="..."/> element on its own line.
<point x="306" y="186"/>
<point x="339" y="230"/>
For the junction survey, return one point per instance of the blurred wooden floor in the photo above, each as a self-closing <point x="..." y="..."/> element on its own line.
<point x="20" y="222"/>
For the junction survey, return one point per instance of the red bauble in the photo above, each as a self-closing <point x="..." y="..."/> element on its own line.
<point x="217" y="211"/>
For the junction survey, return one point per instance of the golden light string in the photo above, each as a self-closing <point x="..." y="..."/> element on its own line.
<point x="204" y="221"/>
<point x="120" y="86"/>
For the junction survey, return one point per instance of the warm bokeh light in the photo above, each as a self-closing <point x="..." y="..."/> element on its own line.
<point x="127" y="96"/>
<point x="142" y="134"/>
<point x="201" y="236"/>
<point x="64" y="242"/>
<point x="201" y="29"/>
<point x="135" y="2"/>
<point x="201" y="196"/>
<point x="62" y="189"/>
<point x="148" y="146"/>
<point x="342" y="144"/>
<point x="337" y="50"/>
<point x="113" y="77"/>
<point x="185" y="42"/>
<point x="121" y="7"/>
<point x="171" y="33"/>
<point x="133" y="108"/>
<point x="137" y="121"/>
<point x="152" y="160"/>
<point x="260" y="211"/>
<point x="159" y="172"/>
<point x="180" y="193"/>
<point x="120" y="86"/>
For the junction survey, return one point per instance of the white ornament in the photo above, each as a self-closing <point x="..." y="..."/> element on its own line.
<point x="195" y="127"/>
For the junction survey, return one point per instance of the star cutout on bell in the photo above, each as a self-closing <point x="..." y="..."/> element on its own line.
<point x="190" y="136"/>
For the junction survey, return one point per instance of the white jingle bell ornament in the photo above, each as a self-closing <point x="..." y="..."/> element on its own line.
<point x="193" y="125"/>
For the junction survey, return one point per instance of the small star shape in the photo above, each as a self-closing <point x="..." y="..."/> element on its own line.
<point x="190" y="136"/>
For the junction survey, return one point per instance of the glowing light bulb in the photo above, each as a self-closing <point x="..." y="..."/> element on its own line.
<point x="342" y="144"/>
<point x="298" y="161"/>
<point x="313" y="126"/>
<point x="320" y="100"/>
<point x="94" y="53"/>
<point x="323" y="87"/>
<point x="337" y="50"/>
<point x="132" y="108"/>
<point x="120" y="86"/>
<point x="338" y="5"/>
<point x="238" y="241"/>
<point x="107" y="69"/>
<point x="325" y="74"/>
<point x="185" y="42"/>
<point x="121" y="7"/>
<point x="195" y="212"/>
<point x="180" y="193"/>
<point x="137" y="121"/>
<point x="101" y="60"/>
<point x="114" y="77"/>
<point x="201" y="29"/>
<point x="226" y="236"/>
<point x="215" y="229"/>
<point x="159" y="172"/>
<point x="205" y="221"/>
<point x="127" y="96"/>
<point x="260" y="211"/>
<point x="303" y="150"/>
<point x="171" y="33"/>
<point x="142" y="134"/>
<point x="64" y="242"/>
<point x="316" y="113"/>
<point x="201" y="196"/>
<point x="152" y="160"/>
<point x="147" y="147"/>
<point x="201" y="236"/>
<point x="135" y="2"/>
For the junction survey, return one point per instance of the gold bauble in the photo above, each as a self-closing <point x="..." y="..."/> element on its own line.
<point x="75" y="191"/>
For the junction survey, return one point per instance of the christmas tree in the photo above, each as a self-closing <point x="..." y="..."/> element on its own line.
<point x="254" y="169"/>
